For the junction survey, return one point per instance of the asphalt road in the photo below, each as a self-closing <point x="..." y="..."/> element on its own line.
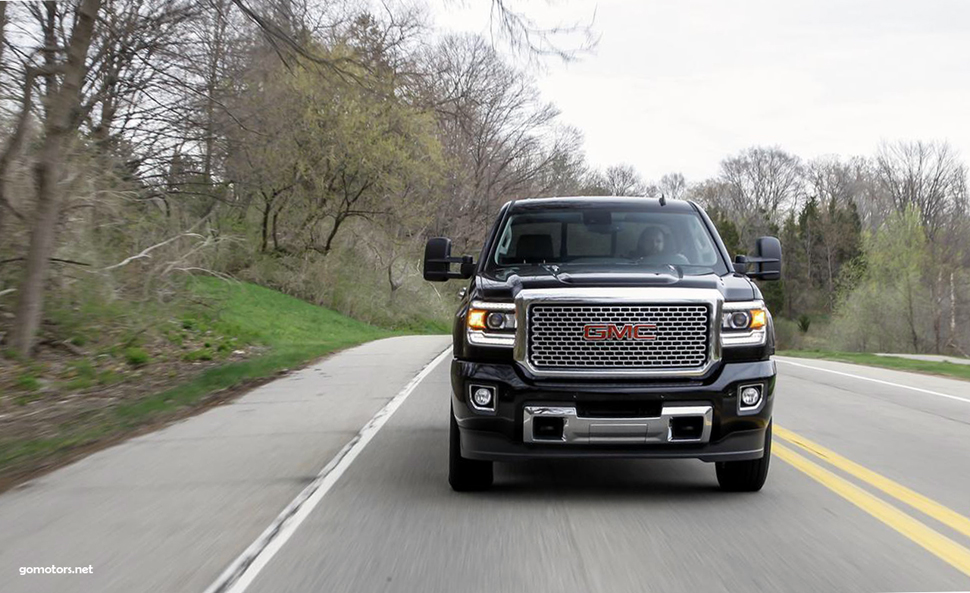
<point x="869" y="490"/>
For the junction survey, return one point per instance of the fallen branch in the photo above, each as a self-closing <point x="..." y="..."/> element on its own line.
<point x="65" y="345"/>
<point x="53" y="259"/>
<point x="145" y="252"/>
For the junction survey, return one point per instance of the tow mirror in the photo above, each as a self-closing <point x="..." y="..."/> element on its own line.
<point x="438" y="260"/>
<point x="766" y="260"/>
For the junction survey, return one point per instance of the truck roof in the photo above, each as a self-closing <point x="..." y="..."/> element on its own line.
<point x="599" y="201"/>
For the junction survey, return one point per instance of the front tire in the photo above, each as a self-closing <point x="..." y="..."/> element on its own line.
<point x="465" y="475"/>
<point x="745" y="476"/>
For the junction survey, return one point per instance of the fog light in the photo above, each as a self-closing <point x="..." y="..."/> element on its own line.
<point x="483" y="397"/>
<point x="750" y="396"/>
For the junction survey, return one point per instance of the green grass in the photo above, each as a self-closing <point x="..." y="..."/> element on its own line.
<point x="136" y="356"/>
<point x="28" y="382"/>
<point x="258" y="314"/>
<point x="288" y="331"/>
<point x="294" y="332"/>
<point x="945" y="369"/>
<point x="83" y="376"/>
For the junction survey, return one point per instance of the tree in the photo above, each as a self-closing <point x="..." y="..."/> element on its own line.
<point x="930" y="178"/>
<point x="526" y="37"/>
<point x="758" y="184"/>
<point x="837" y="187"/>
<point x="623" y="180"/>
<point x="493" y="126"/>
<point x="326" y="152"/>
<point x="673" y="186"/>
<point x="890" y="305"/>
<point x="61" y="122"/>
<point x="926" y="176"/>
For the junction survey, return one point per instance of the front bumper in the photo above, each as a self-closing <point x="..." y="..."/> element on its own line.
<point x="725" y="431"/>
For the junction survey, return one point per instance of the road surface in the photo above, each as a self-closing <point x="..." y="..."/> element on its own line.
<point x="869" y="490"/>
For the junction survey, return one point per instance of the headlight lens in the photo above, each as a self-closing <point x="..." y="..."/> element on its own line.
<point x="739" y="320"/>
<point x="496" y="320"/>
<point x="746" y="319"/>
<point x="492" y="317"/>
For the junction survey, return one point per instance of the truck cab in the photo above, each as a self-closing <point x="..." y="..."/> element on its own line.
<point x="609" y="328"/>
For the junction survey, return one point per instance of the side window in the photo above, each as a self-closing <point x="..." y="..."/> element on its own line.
<point x="702" y="244"/>
<point x="504" y="244"/>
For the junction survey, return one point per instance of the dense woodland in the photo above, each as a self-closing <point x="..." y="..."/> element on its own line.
<point x="313" y="146"/>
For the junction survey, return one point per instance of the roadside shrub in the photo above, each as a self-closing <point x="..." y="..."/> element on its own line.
<point x="81" y="375"/>
<point x="136" y="356"/>
<point x="197" y="355"/>
<point x="28" y="382"/>
<point x="787" y="336"/>
<point x="354" y="279"/>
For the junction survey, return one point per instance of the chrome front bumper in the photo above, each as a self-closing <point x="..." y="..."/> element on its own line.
<point x="577" y="430"/>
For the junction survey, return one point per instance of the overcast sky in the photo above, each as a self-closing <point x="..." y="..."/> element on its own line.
<point x="677" y="85"/>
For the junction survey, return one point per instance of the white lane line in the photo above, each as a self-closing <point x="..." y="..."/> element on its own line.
<point x="243" y="570"/>
<point x="891" y="384"/>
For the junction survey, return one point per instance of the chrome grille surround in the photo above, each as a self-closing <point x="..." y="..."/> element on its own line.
<point x="687" y="341"/>
<point x="679" y="338"/>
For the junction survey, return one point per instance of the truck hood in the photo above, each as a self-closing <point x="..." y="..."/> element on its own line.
<point x="733" y="287"/>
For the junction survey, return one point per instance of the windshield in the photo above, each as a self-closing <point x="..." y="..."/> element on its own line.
<point x="609" y="238"/>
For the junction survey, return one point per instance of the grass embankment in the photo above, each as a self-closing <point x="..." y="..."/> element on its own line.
<point x="945" y="369"/>
<point x="293" y="331"/>
<point x="277" y="332"/>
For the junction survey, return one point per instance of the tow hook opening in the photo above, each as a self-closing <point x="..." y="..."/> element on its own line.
<point x="547" y="428"/>
<point x="686" y="428"/>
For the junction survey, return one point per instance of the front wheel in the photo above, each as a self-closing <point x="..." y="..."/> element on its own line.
<point x="465" y="475"/>
<point x="745" y="476"/>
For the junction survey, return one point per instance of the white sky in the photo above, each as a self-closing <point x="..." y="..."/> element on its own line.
<point x="677" y="85"/>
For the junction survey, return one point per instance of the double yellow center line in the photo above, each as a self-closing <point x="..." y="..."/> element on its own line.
<point x="943" y="547"/>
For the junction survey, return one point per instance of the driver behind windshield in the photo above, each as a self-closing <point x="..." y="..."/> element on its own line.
<point x="652" y="249"/>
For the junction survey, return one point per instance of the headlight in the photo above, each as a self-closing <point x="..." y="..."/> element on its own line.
<point x="491" y="324"/>
<point x="746" y="319"/>
<point x="485" y="320"/>
<point x="744" y="324"/>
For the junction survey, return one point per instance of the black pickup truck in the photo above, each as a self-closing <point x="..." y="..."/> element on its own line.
<point x="610" y="328"/>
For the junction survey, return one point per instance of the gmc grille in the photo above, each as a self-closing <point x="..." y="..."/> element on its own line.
<point x="679" y="341"/>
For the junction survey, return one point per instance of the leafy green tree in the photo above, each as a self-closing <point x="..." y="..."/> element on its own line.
<point x="889" y="309"/>
<point x="332" y="151"/>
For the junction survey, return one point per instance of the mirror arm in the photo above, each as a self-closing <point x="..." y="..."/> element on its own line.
<point x="465" y="259"/>
<point x="466" y="262"/>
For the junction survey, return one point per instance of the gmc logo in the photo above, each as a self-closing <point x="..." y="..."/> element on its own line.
<point x="612" y="331"/>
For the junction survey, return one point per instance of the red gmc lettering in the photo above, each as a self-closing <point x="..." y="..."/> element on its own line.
<point x="612" y="331"/>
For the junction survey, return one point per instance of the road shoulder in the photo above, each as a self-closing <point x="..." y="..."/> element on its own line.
<point x="169" y="510"/>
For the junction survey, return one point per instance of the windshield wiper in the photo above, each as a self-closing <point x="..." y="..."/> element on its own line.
<point x="552" y="269"/>
<point x="678" y="271"/>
